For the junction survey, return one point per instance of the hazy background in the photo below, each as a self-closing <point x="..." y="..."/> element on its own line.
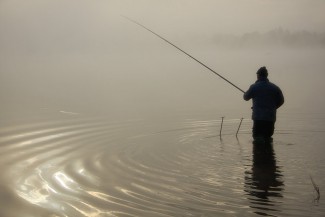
<point x="82" y="56"/>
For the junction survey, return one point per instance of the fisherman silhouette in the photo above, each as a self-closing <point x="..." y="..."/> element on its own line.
<point x="267" y="98"/>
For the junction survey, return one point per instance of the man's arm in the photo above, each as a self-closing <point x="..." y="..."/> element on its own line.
<point x="280" y="99"/>
<point x="248" y="94"/>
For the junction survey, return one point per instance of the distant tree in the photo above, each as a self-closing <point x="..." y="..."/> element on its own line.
<point x="277" y="37"/>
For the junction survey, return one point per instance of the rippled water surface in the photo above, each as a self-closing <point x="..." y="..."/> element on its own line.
<point x="101" y="118"/>
<point x="68" y="164"/>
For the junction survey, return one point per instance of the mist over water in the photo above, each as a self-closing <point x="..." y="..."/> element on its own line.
<point x="99" y="117"/>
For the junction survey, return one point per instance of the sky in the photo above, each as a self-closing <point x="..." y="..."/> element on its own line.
<point x="53" y="49"/>
<point x="80" y="23"/>
<point x="48" y="21"/>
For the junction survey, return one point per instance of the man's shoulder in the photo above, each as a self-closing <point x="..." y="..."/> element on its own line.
<point x="259" y="85"/>
<point x="274" y="85"/>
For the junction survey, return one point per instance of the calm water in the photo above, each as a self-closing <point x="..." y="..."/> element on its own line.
<point x="83" y="138"/>
<point x="60" y="163"/>
<point x="100" y="118"/>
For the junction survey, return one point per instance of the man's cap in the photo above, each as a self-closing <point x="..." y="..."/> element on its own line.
<point x="262" y="72"/>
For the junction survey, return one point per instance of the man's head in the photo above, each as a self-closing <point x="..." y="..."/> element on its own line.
<point x="262" y="72"/>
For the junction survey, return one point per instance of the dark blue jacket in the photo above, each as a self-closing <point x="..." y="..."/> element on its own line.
<point x="267" y="98"/>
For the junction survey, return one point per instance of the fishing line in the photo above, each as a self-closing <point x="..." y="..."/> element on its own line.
<point x="184" y="52"/>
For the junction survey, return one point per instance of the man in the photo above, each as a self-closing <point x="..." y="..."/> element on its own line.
<point x="267" y="98"/>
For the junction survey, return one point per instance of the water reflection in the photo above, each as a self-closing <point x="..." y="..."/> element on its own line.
<point x="264" y="182"/>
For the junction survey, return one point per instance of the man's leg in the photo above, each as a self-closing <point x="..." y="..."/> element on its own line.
<point x="269" y="129"/>
<point x="258" y="129"/>
<point x="263" y="129"/>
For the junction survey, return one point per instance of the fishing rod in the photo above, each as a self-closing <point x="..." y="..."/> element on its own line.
<point x="184" y="52"/>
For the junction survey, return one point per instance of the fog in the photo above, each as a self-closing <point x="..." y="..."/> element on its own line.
<point x="85" y="57"/>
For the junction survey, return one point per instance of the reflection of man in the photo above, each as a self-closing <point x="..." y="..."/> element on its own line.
<point x="267" y="98"/>
<point x="264" y="182"/>
<point x="265" y="174"/>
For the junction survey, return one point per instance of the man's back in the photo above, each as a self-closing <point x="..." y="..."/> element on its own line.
<point x="267" y="97"/>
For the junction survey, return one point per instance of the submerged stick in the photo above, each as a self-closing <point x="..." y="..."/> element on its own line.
<point x="221" y="126"/>
<point x="316" y="188"/>
<point x="184" y="52"/>
<point x="241" y="120"/>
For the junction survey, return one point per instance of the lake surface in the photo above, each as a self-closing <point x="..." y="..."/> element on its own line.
<point x="62" y="163"/>
<point x="100" y="137"/>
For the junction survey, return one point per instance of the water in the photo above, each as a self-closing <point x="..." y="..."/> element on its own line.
<point x="60" y="163"/>
<point x="99" y="117"/>
<point x="91" y="138"/>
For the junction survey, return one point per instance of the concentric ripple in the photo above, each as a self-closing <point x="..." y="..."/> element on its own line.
<point x="96" y="167"/>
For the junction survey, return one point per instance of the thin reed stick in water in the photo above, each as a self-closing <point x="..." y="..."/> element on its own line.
<point x="241" y="120"/>
<point x="316" y="189"/>
<point x="221" y="126"/>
